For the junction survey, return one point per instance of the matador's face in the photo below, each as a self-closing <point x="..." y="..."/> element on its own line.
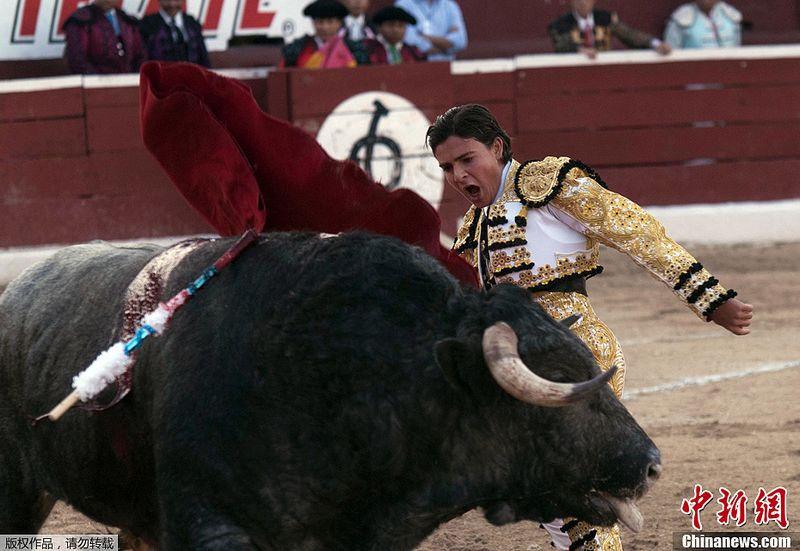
<point x="472" y="168"/>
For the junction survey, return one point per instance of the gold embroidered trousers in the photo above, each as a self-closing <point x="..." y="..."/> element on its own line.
<point x="607" y="351"/>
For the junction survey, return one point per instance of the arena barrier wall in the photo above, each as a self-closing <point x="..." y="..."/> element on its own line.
<point x="691" y="128"/>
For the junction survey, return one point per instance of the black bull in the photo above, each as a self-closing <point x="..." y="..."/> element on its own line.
<point x="320" y="393"/>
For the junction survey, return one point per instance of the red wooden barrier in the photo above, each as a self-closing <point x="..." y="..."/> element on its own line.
<point x="72" y="166"/>
<point x="688" y="132"/>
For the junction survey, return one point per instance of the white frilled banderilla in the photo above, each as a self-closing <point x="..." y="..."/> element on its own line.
<point x="117" y="360"/>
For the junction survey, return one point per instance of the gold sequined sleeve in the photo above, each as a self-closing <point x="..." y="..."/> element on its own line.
<point x="466" y="242"/>
<point x="623" y="225"/>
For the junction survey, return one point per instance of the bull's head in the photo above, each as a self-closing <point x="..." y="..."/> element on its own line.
<point x="585" y="456"/>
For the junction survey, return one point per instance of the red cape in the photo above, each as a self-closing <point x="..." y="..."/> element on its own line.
<point x="243" y="169"/>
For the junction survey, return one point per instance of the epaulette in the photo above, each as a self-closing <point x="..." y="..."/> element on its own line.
<point x="82" y="16"/>
<point x="466" y="242"/>
<point x="537" y="182"/>
<point x="732" y="13"/>
<point x="685" y="15"/>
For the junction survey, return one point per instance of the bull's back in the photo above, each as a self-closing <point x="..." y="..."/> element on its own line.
<point x="60" y="313"/>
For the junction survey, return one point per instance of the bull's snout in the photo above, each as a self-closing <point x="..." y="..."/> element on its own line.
<point x="653" y="470"/>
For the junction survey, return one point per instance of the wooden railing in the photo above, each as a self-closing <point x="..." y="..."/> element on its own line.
<point x="693" y="127"/>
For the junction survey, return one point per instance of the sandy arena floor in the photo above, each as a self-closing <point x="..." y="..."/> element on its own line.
<point x="723" y="409"/>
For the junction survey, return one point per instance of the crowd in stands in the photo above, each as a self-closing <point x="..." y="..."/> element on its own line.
<point x="102" y="38"/>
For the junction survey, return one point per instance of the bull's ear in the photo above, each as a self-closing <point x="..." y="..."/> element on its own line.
<point x="463" y="370"/>
<point x="449" y="354"/>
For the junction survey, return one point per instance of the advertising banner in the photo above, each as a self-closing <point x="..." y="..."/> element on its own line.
<point x="31" y="29"/>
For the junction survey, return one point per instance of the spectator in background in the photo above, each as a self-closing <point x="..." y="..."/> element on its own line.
<point x="329" y="47"/>
<point x="589" y="31"/>
<point x="440" y="31"/>
<point x="356" y="21"/>
<point x="101" y="38"/>
<point x="704" y="24"/>
<point x="388" y="48"/>
<point x="174" y="35"/>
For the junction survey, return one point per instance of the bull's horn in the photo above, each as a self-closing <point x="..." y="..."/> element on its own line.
<point x="513" y="376"/>
<point x="627" y="512"/>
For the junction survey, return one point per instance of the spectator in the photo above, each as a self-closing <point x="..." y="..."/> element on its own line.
<point x="356" y="20"/>
<point x="101" y="38"/>
<point x="174" y="35"/>
<point x="440" y="31"/>
<point x="704" y="24"/>
<point x="589" y="31"/>
<point x="328" y="48"/>
<point x="388" y="47"/>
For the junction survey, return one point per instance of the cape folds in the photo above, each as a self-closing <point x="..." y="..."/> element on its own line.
<point x="243" y="169"/>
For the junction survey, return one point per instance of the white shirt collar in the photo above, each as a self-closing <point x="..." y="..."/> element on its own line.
<point x="582" y="21"/>
<point x="500" y="189"/>
<point x="167" y="19"/>
<point x="383" y="41"/>
<point x="350" y="19"/>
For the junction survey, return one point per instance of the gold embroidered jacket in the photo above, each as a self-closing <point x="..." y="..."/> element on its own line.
<point x="547" y="224"/>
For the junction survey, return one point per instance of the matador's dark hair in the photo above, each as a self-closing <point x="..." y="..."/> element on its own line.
<point x="468" y="121"/>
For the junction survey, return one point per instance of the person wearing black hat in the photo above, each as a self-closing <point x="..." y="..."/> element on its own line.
<point x="388" y="47"/>
<point x="328" y="47"/>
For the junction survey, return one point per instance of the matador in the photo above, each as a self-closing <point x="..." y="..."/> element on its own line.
<point x="538" y="225"/>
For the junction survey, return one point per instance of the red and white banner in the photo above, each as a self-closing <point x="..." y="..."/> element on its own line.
<point x="31" y="29"/>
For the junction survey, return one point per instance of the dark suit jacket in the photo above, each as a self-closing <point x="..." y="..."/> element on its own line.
<point x="92" y="46"/>
<point x="158" y="40"/>
<point x="566" y="35"/>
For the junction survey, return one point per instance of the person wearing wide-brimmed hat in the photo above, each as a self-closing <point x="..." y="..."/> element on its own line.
<point x="328" y="47"/>
<point x="388" y="47"/>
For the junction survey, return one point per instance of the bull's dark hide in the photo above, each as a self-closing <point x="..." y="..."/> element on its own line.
<point x="317" y="394"/>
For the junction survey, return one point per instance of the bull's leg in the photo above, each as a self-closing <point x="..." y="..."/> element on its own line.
<point x="202" y="532"/>
<point x="23" y="507"/>
<point x="189" y="519"/>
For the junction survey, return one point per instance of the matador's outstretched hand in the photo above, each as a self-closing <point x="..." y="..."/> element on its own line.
<point x="734" y="315"/>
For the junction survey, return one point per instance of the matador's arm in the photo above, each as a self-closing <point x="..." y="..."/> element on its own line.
<point x="623" y="225"/>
